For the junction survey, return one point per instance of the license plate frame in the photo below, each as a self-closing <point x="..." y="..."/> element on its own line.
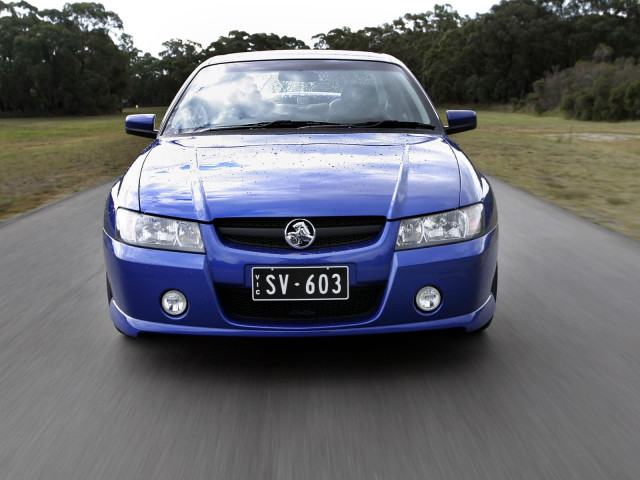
<point x="293" y="284"/>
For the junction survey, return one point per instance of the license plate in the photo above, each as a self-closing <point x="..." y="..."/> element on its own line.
<point x="299" y="283"/>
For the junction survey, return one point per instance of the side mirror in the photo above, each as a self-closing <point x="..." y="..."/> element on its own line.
<point x="460" y="121"/>
<point x="141" y="125"/>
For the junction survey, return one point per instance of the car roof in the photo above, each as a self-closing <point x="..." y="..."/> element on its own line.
<point x="302" y="55"/>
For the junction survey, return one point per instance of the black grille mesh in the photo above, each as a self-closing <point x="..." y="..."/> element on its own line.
<point x="362" y="302"/>
<point x="269" y="232"/>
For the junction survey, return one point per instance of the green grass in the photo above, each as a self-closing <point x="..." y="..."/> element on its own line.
<point x="43" y="159"/>
<point x="591" y="169"/>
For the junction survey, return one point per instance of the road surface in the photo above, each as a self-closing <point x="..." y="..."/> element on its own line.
<point x="550" y="391"/>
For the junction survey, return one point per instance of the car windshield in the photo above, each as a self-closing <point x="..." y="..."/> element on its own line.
<point x="299" y="94"/>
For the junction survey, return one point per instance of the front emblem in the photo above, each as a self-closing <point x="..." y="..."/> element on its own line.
<point x="300" y="233"/>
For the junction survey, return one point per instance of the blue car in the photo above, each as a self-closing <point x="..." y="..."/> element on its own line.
<point x="301" y="193"/>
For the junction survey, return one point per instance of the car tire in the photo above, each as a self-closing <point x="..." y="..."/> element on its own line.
<point x="109" y="292"/>
<point x="494" y="285"/>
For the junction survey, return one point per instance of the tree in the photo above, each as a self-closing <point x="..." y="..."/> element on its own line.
<point x="177" y="61"/>
<point x="60" y="61"/>
<point x="79" y="59"/>
<point x="238" y="41"/>
<point x="515" y="43"/>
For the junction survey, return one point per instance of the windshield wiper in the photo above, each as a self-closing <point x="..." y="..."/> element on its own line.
<point x="294" y="124"/>
<point x="394" y="124"/>
<point x="270" y="124"/>
<point x="310" y="124"/>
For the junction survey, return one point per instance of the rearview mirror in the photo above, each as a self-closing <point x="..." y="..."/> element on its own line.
<point x="460" y="121"/>
<point x="141" y="125"/>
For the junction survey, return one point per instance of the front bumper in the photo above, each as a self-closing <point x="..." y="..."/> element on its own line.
<point x="463" y="272"/>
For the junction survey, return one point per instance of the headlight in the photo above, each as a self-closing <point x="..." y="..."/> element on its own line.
<point x="447" y="227"/>
<point x="157" y="232"/>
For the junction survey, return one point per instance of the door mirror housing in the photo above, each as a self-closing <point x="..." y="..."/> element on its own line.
<point x="142" y="125"/>
<point x="460" y="121"/>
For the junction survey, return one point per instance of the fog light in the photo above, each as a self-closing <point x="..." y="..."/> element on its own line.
<point x="174" y="303"/>
<point x="428" y="299"/>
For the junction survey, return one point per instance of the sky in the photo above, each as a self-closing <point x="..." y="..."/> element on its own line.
<point x="203" y="21"/>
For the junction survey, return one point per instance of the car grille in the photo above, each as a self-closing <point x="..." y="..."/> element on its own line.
<point x="269" y="232"/>
<point x="238" y="304"/>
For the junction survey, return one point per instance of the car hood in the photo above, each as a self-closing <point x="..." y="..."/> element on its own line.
<point x="392" y="175"/>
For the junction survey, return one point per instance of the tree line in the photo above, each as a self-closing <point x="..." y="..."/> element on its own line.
<point x="580" y="56"/>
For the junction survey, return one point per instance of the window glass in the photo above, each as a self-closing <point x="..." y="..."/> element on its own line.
<point x="333" y="91"/>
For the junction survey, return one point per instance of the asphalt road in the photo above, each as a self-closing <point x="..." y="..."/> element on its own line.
<point x="550" y="391"/>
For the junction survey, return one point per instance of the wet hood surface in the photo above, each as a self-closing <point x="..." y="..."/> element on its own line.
<point x="206" y="177"/>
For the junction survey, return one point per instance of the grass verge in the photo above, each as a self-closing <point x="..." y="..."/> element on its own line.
<point x="590" y="169"/>
<point x="43" y="159"/>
